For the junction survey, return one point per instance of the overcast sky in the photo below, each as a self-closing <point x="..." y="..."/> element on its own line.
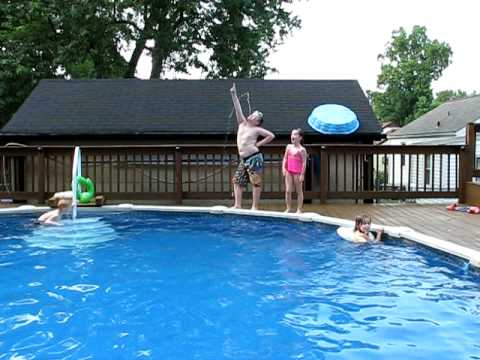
<point x="341" y="39"/>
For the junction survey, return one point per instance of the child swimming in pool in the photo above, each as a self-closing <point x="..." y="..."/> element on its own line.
<point x="361" y="232"/>
<point x="293" y="169"/>
<point x="53" y="217"/>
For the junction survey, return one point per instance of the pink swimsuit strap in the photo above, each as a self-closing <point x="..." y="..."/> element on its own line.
<point x="294" y="152"/>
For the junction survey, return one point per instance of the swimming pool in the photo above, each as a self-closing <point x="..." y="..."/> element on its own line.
<point x="155" y="285"/>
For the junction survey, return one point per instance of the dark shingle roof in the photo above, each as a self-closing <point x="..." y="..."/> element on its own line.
<point x="132" y="106"/>
<point x="444" y="119"/>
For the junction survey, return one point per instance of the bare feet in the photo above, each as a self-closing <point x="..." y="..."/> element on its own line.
<point x="288" y="210"/>
<point x="299" y="211"/>
<point x="235" y="207"/>
<point x="254" y="208"/>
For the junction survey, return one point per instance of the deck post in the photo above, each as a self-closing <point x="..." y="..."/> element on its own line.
<point x="178" y="175"/>
<point x="368" y="175"/>
<point x="41" y="175"/>
<point x="466" y="162"/>
<point x="476" y="130"/>
<point x="323" y="175"/>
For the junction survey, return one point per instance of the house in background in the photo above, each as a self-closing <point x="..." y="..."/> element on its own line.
<point x="444" y="125"/>
<point x="130" y="112"/>
<point x="389" y="127"/>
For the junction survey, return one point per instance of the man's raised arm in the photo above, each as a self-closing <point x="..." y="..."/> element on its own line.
<point x="236" y="104"/>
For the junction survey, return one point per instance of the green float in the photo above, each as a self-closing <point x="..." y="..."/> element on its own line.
<point x="84" y="197"/>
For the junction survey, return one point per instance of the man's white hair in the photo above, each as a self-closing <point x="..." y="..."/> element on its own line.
<point x="259" y="113"/>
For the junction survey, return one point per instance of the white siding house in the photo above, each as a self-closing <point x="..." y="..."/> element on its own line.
<point x="444" y="125"/>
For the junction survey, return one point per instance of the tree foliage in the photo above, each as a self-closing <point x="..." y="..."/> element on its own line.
<point x="50" y="39"/>
<point x="105" y="39"/>
<point x="242" y="35"/>
<point x="409" y="65"/>
<point x="450" y="95"/>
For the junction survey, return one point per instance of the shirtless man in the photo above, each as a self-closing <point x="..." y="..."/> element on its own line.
<point x="251" y="159"/>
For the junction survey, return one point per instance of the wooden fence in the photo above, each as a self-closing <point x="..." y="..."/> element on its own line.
<point x="205" y="171"/>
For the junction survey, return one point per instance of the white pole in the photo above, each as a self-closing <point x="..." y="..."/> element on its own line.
<point x="76" y="171"/>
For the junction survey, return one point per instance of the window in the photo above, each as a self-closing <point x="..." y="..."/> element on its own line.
<point x="428" y="169"/>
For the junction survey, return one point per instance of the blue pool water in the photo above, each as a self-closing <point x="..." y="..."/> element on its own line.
<point x="186" y="286"/>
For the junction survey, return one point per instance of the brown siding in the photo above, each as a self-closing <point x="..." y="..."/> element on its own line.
<point x="472" y="194"/>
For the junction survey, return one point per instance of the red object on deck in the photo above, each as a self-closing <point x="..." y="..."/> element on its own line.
<point x="452" y="207"/>
<point x="465" y="209"/>
<point x="474" y="210"/>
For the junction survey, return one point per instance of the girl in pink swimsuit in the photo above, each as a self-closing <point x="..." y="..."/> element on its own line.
<point x="294" y="165"/>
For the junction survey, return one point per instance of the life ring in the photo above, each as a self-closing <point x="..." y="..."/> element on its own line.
<point x="348" y="234"/>
<point x="85" y="196"/>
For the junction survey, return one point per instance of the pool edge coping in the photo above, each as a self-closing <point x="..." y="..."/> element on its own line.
<point x="471" y="255"/>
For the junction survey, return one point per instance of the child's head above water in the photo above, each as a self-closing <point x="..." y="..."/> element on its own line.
<point x="63" y="204"/>
<point x="366" y="222"/>
<point x="362" y="223"/>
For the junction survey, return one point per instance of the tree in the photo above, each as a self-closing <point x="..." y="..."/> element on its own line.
<point x="91" y="39"/>
<point x="50" y="39"/>
<point x="170" y="33"/>
<point x="242" y="34"/>
<point x="223" y="38"/>
<point x="409" y="65"/>
<point x="449" y="95"/>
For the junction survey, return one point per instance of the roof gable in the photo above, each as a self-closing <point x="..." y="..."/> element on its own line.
<point x="447" y="118"/>
<point x="132" y="106"/>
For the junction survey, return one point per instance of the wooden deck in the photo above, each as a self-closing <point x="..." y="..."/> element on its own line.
<point x="433" y="220"/>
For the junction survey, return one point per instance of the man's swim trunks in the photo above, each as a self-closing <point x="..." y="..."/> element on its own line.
<point x="249" y="170"/>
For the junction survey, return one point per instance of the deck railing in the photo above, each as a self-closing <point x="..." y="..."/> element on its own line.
<point x="394" y="172"/>
<point x="473" y="132"/>
<point x="205" y="171"/>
